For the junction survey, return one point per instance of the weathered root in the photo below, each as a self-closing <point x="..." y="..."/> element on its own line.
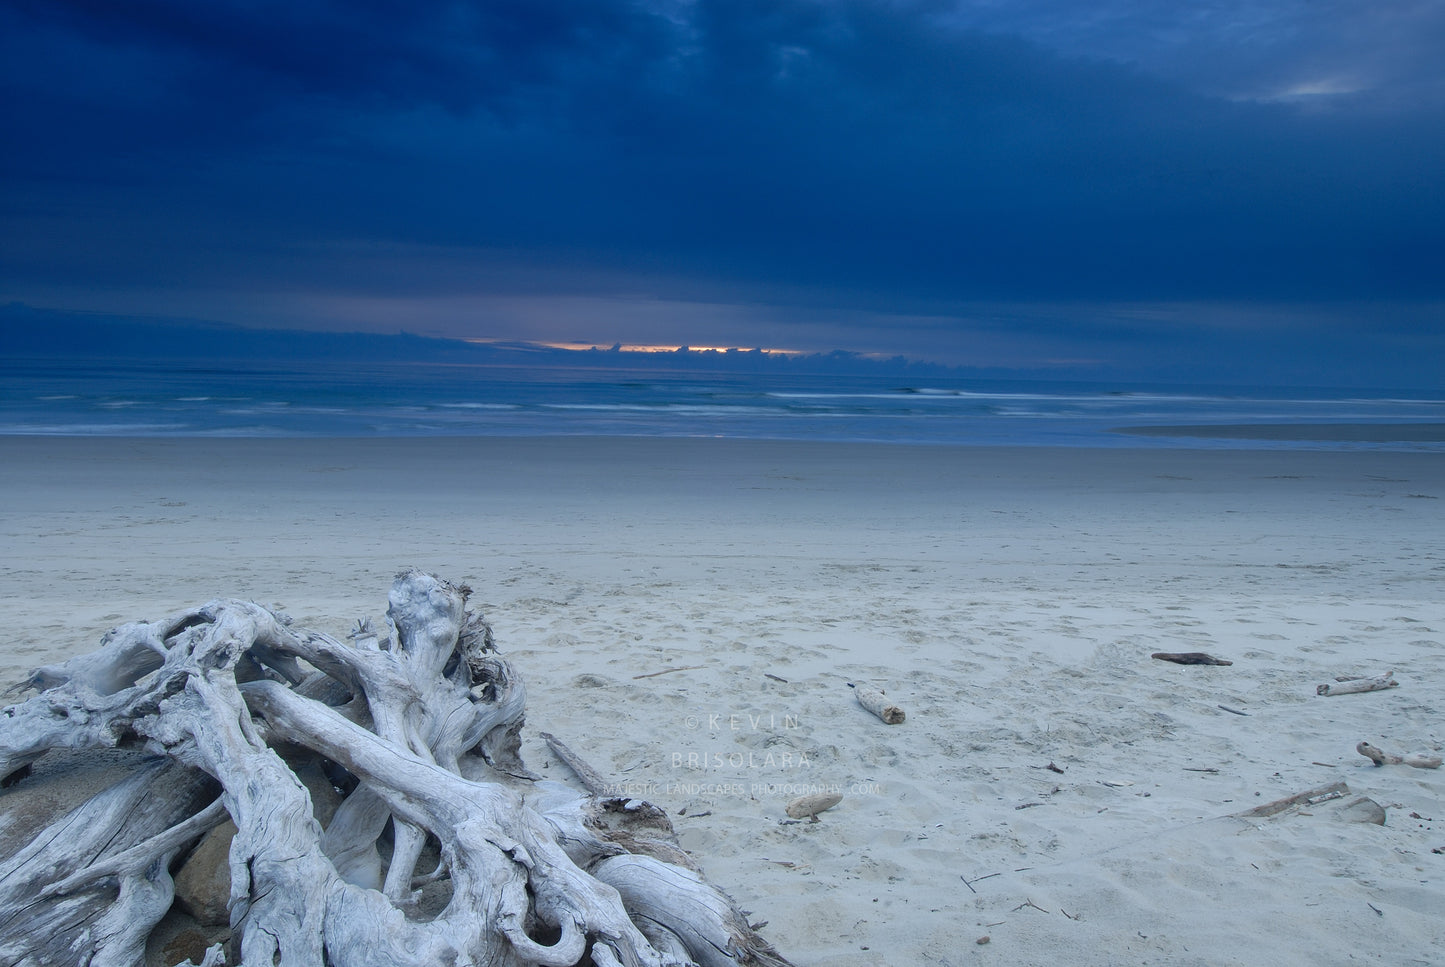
<point x="79" y="881"/>
<point x="418" y="740"/>
<point x="679" y="903"/>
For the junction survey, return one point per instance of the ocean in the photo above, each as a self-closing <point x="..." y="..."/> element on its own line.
<point x="318" y="399"/>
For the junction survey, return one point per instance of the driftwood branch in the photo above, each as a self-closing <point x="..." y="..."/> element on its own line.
<point x="591" y="779"/>
<point x="1353" y="686"/>
<point x="1380" y="757"/>
<point x="1310" y="797"/>
<point x="1189" y="658"/>
<point x="669" y="671"/>
<point x="382" y="812"/>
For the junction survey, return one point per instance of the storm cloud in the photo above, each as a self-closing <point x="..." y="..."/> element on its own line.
<point x="945" y="175"/>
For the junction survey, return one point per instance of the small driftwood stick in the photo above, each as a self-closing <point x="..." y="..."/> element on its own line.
<point x="1335" y="790"/>
<point x="592" y="780"/>
<point x="669" y="671"/>
<point x="872" y="699"/>
<point x="808" y="807"/>
<point x="1380" y="757"/>
<point x="1189" y="658"/>
<point x="1354" y="685"/>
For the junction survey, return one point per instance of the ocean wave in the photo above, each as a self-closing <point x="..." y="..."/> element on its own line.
<point x="674" y="409"/>
<point x="91" y="429"/>
<point x="479" y="406"/>
<point x="428" y="401"/>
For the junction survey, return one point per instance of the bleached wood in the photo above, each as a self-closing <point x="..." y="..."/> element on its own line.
<point x="874" y="701"/>
<point x="46" y="924"/>
<point x="424" y="738"/>
<point x="1356" y="685"/>
<point x="1380" y="757"/>
<point x="808" y="807"/>
<point x="703" y="920"/>
<point x="1334" y="790"/>
<point x="590" y="778"/>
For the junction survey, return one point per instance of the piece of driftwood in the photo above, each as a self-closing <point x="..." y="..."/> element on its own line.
<point x="590" y="778"/>
<point x="1355" y="685"/>
<point x="221" y="710"/>
<point x="1310" y="797"/>
<point x="1380" y="757"/>
<point x="808" y="807"/>
<point x="874" y="701"/>
<point x="1189" y="658"/>
<point x="669" y="671"/>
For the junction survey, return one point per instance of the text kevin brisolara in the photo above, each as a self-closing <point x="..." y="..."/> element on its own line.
<point x="705" y="761"/>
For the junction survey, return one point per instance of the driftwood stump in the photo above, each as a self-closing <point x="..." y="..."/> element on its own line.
<point x="226" y="711"/>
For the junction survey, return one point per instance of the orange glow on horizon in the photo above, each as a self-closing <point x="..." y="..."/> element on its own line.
<point x="638" y="347"/>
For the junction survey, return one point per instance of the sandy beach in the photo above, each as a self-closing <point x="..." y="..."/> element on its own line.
<point x="688" y="615"/>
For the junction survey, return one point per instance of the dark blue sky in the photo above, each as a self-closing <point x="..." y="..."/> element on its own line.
<point x="1218" y="188"/>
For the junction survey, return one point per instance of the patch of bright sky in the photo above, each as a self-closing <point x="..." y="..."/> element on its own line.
<point x="1238" y="49"/>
